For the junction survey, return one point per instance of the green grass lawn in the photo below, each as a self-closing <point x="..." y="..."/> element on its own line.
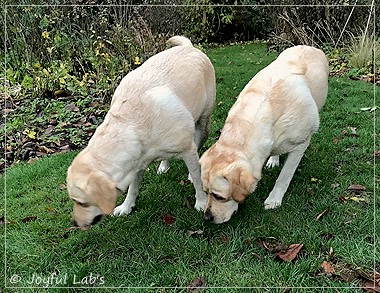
<point x="141" y="250"/>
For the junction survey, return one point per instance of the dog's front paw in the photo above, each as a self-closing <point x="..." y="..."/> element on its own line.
<point x="164" y="167"/>
<point x="273" y="161"/>
<point x="200" y="205"/>
<point x="270" y="203"/>
<point x="121" y="210"/>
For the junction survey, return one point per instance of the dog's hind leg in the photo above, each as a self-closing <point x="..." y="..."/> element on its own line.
<point x="202" y="129"/>
<point x="273" y="161"/>
<point x="282" y="183"/>
<point x="126" y="207"/>
<point x="191" y="159"/>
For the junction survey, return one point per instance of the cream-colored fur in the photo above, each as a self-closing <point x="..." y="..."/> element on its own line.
<point x="276" y="113"/>
<point x="159" y="111"/>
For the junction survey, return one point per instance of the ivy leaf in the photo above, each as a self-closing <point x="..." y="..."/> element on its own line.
<point x="27" y="82"/>
<point x="30" y="133"/>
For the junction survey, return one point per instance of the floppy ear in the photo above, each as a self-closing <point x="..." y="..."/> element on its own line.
<point x="241" y="182"/>
<point x="103" y="191"/>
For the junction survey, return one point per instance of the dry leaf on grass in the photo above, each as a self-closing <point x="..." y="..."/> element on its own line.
<point x="168" y="219"/>
<point x="357" y="188"/>
<point x="197" y="284"/>
<point x="371" y="281"/>
<point x="327" y="269"/>
<point x="185" y="182"/>
<point x="51" y="210"/>
<point x="371" y="286"/>
<point x="290" y="253"/>
<point x="324" y="212"/>
<point x="271" y="244"/>
<point x="72" y="228"/>
<point x="29" y="219"/>
<point x="224" y="239"/>
<point x="191" y="233"/>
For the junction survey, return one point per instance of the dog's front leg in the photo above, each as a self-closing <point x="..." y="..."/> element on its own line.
<point x="274" y="199"/>
<point x="191" y="159"/>
<point x="126" y="207"/>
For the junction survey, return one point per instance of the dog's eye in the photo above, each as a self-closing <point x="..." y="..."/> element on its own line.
<point x="82" y="204"/>
<point x="218" y="197"/>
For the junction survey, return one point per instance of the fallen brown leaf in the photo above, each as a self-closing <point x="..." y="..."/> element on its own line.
<point x="324" y="212"/>
<point x="357" y="187"/>
<point x="29" y="219"/>
<point x="271" y="244"/>
<point x="371" y="282"/>
<point x="197" y="284"/>
<point x="370" y="276"/>
<point x="327" y="269"/>
<point x="191" y="233"/>
<point x="371" y="286"/>
<point x="327" y="236"/>
<point x="225" y="239"/>
<point x="65" y="148"/>
<point x="51" y="210"/>
<point x="342" y="198"/>
<point x="72" y="228"/>
<point x="290" y="253"/>
<point x="45" y="149"/>
<point x="168" y="219"/>
<point x="258" y="256"/>
<point x="185" y="182"/>
<point x="343" y="133"/>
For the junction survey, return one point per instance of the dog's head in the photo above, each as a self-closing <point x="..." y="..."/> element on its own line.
<point x="228" y="180"/>
<point x="94" y="194"/>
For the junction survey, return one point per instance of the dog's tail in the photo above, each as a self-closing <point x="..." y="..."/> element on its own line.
<point x="179" y="41"/>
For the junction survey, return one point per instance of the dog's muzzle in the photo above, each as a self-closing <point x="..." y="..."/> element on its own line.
<point x="208" y="216"/>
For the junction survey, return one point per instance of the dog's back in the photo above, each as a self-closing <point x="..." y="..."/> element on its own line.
<point x="184" y="69"/>
<point x="313" y="65"/>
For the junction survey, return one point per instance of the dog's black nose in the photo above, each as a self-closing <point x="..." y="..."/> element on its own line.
<point x="97" y="219"/>
<point x="208" y="216"/>
<point x="74" y="223"/>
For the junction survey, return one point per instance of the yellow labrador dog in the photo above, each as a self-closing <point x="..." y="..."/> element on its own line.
<point x="276" y="113"/>
<point x="160" y="110"/>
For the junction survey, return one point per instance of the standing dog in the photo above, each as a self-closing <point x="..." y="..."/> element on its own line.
<point x="276" y="113"/>
<point x="160" y="110"/>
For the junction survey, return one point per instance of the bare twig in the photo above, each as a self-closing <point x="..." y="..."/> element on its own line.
<point x="345" y="25"/>
<point x="369" y="18"/>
